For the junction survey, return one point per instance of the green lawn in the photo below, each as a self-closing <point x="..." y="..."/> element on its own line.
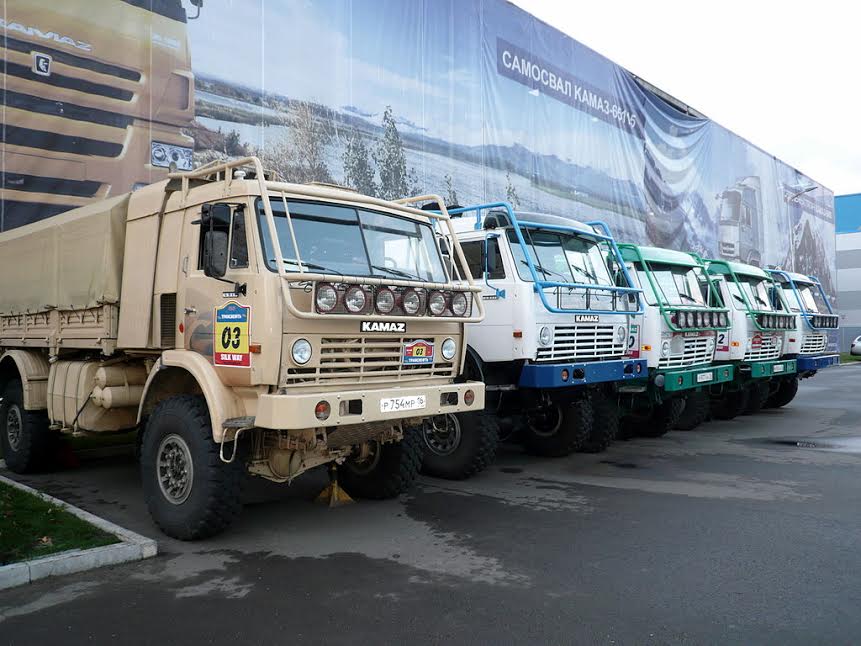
<point x="31" y="528"/>
<point x="845" y="357"/>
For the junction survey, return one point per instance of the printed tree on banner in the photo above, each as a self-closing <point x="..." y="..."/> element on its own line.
<point x="450" y="191"/>
<point x="395" y="180"/>
<point x="302" y="158"/>
<point x="510" y="192"/>
<point x="358" y="170"/>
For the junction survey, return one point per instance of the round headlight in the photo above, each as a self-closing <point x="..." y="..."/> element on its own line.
<point x="621" y="332"/>
<point x="385" y="300"/>
<point x="459" y="304"/>
<point x="710" y="344"/>
<point x="665" y="349"/>
<point x="355" y="299"/>
<point x="301" y="351"/>
<point x="448" y="349"/>
<point x="700" y="320"/>
<point x="411" y="301"/>
<point x="436" y="303"/>
<point x="545" y="336"/>
<point x="327" y="298"/>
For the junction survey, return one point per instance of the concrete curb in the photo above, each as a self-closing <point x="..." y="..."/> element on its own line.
<point x="132" y="547"/>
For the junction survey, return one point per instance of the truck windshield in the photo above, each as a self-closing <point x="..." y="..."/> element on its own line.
<point x="351" y="241"/>
<point x="756" y="290"/>
<point x="560" y="257"/>
<point x="810" y="297"/>
<point x="678" y="285"/>
<point x="168" y="8"/>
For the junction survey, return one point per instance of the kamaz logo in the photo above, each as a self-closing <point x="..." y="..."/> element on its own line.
<point x="586" y="318"/>
<point x="383" y="326"/>
<point x="35" y="32"/>
<point x="41" y="64"/>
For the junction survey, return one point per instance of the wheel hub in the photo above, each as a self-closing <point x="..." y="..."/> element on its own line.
<point x="175" y="469"/>
<point x="546" y="421"/>
<point x="14" y="427"/>
<point x="442" y="434"/>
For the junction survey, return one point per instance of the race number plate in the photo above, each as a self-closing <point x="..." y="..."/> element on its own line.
<point x="417" y="353"/>
<point x="395" y="404"/>
<point x="231" y="336"/>
<point x="778" y="368"/>
<point x="704" y="376"/>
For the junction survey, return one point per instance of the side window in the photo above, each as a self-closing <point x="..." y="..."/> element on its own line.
<point x="233" y="228"/>
<point x="472" y="252"/>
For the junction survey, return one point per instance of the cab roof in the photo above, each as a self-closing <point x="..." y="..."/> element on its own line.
<point x="633" y="253"/>
<point x="720" y="267"/>
<point x="498" y="219"/>
<point x="780" y="276"/>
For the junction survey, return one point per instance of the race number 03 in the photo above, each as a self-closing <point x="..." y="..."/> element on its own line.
<point x="231" y="336"/>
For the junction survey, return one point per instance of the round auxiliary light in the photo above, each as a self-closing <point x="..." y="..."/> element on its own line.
<point x="327" y="298"/>
<point x="700" y="319"/>
<point x="301" y="351"/>
<point x="665" y="349"/>
<point x="768" y="321"/>
<point x="545" y="336"/>
<point x="448" y="349"/>
<point x="355" y="299"/>
<point x="724" y="317"/>
<point x="459" y="304"/>
<point x="411" y="301"/>
<point x="468" y="397"/>
<point x="689" y="319"/>
<point x="322" y="410"/>
<point x="436" y="303"/>
<point x="385" y="300"/>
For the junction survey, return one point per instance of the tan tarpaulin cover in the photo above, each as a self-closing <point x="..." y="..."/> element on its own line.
<point x="69" y="261"/>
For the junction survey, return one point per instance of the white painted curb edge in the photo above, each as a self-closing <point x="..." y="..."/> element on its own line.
<point x="133" y="547"/>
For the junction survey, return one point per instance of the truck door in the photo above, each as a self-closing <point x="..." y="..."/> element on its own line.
<point x="217" y="308"/>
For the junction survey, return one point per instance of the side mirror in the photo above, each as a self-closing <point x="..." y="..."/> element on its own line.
<point x="447" y="259"/>
<point x="488" y="260"/>
<point x="215" y="225"/>
<point x="198" y="4"/>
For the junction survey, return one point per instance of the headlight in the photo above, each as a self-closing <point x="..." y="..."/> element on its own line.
<point x="621" y="333"/>
<point x="687" y="317"/>
<point x="355" y="299"/>
<point x="163" y="155"/>
<point x="665" y="349"/>
<point x="411" y="301"/>
<point x="545" y="336"/>
<point x="459" y="304"/>
<point x="724" y="319"/>
<point x="327" y="298"/>
<point x="436" y="303"/>
<point x="700" y="320"/>
<point x="385" y="300"/>
<point x="448" y="349"/>
<point x="301" y="351"/>
<point x="710" y="344"/>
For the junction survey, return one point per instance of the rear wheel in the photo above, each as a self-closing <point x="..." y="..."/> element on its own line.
<point x="695" y="412"/>
<point x="785" y="393"/>
<point x="664" y="417"/>
<point x="605" y="425"/>
<point x="386" y="471"/>
<point x="757" y="395"/>
<point x="729" y="405"/>
<point x="458" y="446"/>
<point x="24" y="435"/>
<point x="558" y="429"/>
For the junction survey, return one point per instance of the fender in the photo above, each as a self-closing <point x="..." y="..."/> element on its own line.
<point x="221" y="401"/>
<point x="33" y="369"/>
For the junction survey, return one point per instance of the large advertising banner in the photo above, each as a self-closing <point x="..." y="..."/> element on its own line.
<point x="473" y="99"/>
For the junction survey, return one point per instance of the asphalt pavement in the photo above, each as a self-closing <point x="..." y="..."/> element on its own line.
<point x="744" y="532"/>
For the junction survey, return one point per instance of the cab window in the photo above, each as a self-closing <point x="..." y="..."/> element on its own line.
<point x="472" y="252"/>
<point x="237" y="238"/>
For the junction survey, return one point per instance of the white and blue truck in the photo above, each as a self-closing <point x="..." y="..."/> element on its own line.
<point x="560" y="307"/>
<point x="807" y="342"/>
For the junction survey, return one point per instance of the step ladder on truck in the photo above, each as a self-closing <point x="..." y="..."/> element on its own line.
<point x="683" y="317"/>
<point x="754" y="343"/>
<point x="551" y="349"/>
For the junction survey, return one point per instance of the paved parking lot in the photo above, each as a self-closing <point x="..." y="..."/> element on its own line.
<point x="744" y="532"/>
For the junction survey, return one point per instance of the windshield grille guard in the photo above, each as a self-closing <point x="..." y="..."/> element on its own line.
<point x="539" y="286"/>
<point x="668" y="310"/>
<point x="221" y="172"/>
<point x="817" y="321"/>
<point x="757" y="317"/>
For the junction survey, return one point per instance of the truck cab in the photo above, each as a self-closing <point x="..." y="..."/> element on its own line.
<point x="552" y="345"/>
<point x="754" y="343"/>
<point x="677" y="335"/>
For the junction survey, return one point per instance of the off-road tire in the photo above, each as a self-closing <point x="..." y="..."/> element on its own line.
<point x="785" y="393"/>
<point x="605" y="425"/>
<point x="729" y="405"/>
<point x="664" y="417"/>
<point x="33" y="443"/>
<point x="695" y="412"/>
<point x="394" y="473"/>
<point x="214" y="501"/>
<point x="572" y="434"/>
<point x="479" y="438"/>
<point x="757" y="395"/>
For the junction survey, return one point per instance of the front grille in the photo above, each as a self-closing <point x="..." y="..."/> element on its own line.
<point x="16" y="214"/>
<point x="69" y="82"/>
<point x="368" y="360"/>
<point x="53" y="185"/>
<point x="695" y="350"/>
<point x="66" y="58"/>
<point x="26" y="137"/>
<point x="813" y="343"/>
<point x="66" y="110"/>
<point x="583" y="342"/>
<point x="768" y="349"/>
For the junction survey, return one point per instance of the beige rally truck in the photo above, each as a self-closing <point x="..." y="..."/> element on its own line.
<point x="241" y="324"/>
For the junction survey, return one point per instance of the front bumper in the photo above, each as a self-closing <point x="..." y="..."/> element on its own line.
<point x="765" y="369"/>
<point x="672" y="380"/>
<point x="552" y="375"/>
<point x="295" y="411"/>
<point x="812" y="364"/>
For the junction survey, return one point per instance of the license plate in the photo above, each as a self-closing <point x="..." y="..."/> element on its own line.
<point x="395" y="404"/>
<point x="704" y="376"/>
<point x="778" y="368"/>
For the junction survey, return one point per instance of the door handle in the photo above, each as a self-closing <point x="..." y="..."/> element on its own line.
<point x="190" y="310"/>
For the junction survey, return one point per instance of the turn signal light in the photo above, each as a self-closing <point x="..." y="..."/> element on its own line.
<point x="322" y="410"/>
<point x="468" y="397"/>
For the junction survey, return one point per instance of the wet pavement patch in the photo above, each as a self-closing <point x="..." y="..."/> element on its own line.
<point x="621" y="465"/>
<point x="834" y="444"/>
<point x="511" y="470"/>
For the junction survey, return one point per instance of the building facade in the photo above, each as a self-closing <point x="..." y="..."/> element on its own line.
<point x="848" y="216"/>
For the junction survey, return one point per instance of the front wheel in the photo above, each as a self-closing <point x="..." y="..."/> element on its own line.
<point x="384" y="470"/>
<point x="730" y="405"/>
<point x="757" y="395"/>
<point x="458" y="446"/>
<point x="664" y="417"/>
<point x="558" y="429"/>
<point x="191" y="494"/>
<point x="605" y="425"/>
<point x="695" y="412"/>
<point x="24" y="434"/>
<point x="785" y="393"/>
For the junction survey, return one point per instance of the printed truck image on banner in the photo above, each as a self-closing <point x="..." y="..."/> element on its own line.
<point x="231" y="336"/>
<point x="475" y="100"/>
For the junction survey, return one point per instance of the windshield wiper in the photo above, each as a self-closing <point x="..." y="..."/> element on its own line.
<point x="759" y="298"/>
<point x="310" y="265"/>
<point x="738" y="298"/>
<point x="545" y="271"/>
<point x="690" y="298"/>
<point x="397" y="272"/>
<point x="586" y="273"/>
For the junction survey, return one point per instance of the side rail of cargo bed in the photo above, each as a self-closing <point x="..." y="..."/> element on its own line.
<point x="94" y="328"/>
